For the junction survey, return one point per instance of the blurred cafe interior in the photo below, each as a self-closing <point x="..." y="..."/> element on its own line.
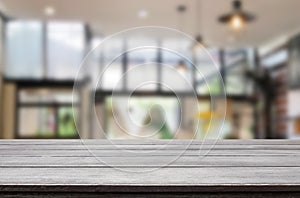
<point x="226" y="69"/>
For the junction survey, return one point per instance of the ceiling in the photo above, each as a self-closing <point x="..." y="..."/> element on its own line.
<point x="274" y="17"/>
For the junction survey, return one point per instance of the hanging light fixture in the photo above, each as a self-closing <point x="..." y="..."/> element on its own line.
<point x="181" y="66"/>
<point x="238" y="18"/>
<point x="198" y="37"/>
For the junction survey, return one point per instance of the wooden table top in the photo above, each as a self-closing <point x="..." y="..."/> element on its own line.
<point x="223" y="167"/>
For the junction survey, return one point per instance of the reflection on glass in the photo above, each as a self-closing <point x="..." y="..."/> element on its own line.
<point x="24" y="49"/>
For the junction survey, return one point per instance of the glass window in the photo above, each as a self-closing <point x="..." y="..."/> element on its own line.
<point x="208" y="71"/>
<point x="239" y="120"/>
<point x="46" y="122"/>
<point x="142" y="64"/>
<point x="275" y="59"/>
<point x="176" y="68"/>
<point x="151" y="117"/>
<point x="47" y="113"/>
<point x="40" y="123"/>
<point x="94" y="60"/>
<point x="236" y="65"/>
<point x="211" y="123"/>
<point x="24" y="49"/>
<point x="66" y="122"/>
<point x="47" y="96"/>
<point x="111" y="64"/>
<point x="65" y="43"/>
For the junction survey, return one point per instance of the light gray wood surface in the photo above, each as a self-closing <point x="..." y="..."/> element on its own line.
<point x="233" y="164"/>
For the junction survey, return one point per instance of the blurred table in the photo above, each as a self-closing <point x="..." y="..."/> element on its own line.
<point x="100" y="168"/>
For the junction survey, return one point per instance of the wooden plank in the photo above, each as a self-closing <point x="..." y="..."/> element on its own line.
<point x="144" y="176"/>
<point x="150" y="147"/>
<point x="104" y="153"/>
<point x="66" y="168"/>
<point x="152" y="161"/>
<point x="147" y="142"/>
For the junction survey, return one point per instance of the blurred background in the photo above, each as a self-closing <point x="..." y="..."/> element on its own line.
<point x="254" y="50"/>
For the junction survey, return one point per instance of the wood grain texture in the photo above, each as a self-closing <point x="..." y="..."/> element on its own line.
<point x="101" y="168"/>
<point x="147" y="142"/>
